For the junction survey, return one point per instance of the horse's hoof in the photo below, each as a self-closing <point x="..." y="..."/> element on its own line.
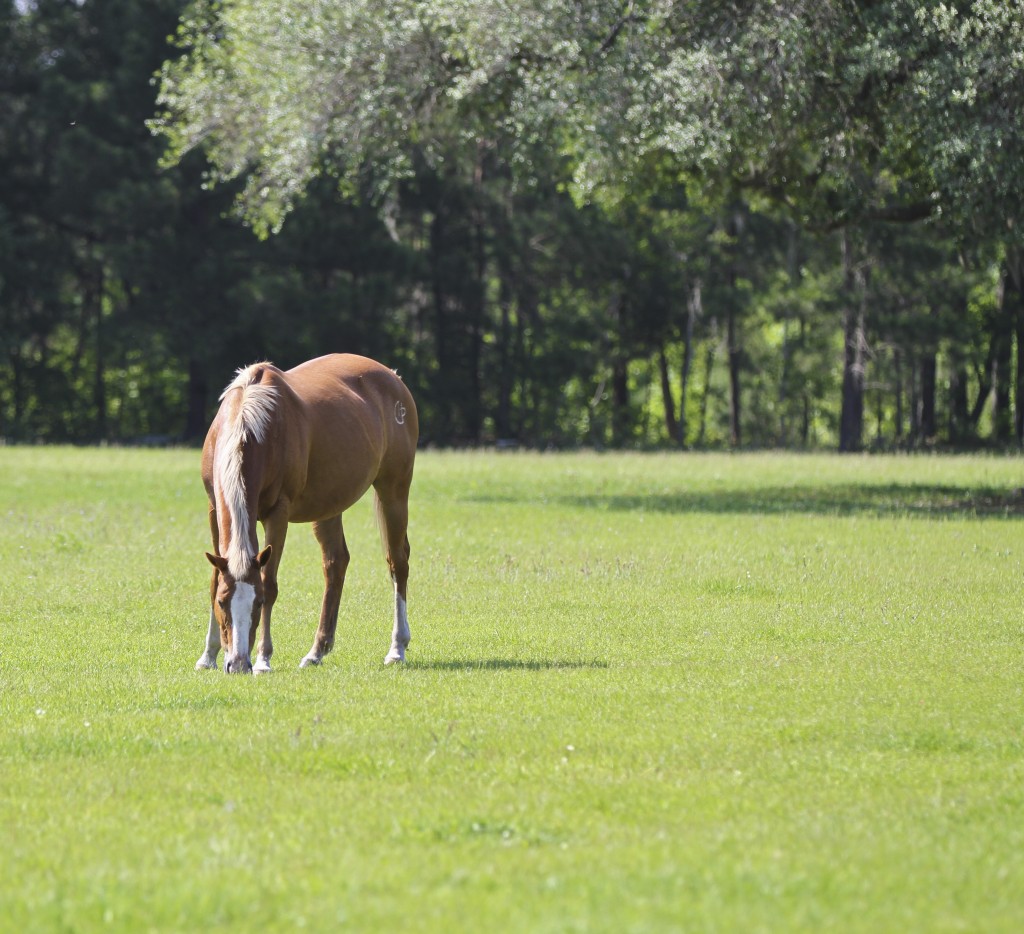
<point x="309" y="661"/>
<point x="206" y="664"/>
<point x="393" y="657"/>
<point x="262" y="667"/>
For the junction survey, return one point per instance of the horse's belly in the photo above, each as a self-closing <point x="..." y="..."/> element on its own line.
<point x="331" y="496"/>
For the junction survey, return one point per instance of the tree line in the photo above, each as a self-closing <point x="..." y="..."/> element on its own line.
<point x="608" y="223"/>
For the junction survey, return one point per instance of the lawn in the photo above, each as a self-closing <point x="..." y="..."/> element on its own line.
<point x="644" y="693"/>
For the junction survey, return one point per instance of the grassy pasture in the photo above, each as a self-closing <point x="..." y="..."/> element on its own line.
<point x="645" y="693"/>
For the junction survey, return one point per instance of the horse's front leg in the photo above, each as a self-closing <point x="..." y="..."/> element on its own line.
<point x="209" y="657"/>
<point x="275" y="530"/>
<point x="331" y="536"/>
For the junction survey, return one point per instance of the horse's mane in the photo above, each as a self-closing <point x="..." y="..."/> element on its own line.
<point x="247" y="417"/>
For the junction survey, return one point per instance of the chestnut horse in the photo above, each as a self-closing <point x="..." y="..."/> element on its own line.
<point x="302" y="446"/>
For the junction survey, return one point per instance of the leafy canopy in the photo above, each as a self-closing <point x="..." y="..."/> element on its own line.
<point x="899" y="109"/>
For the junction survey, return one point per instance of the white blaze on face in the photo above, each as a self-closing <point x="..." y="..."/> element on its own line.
<point x="241" y="618"/>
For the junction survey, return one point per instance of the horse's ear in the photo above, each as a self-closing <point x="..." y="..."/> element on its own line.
<point x="264" y="556"/>
<point x="221" y="564"/>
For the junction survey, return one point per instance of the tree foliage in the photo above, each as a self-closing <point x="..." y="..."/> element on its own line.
<point x="605" y="222"/>
<point x="842" y="110"/>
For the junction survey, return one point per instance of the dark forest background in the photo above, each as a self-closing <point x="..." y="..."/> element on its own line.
<point x="129" y="293"/>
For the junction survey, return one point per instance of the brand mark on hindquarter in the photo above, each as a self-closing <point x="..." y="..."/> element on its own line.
<point x="399" y="413"/>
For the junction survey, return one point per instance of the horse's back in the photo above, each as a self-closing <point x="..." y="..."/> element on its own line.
<point x="322" y="374"/>
<point x="348" y="384"/>
<point x="321" y="379"/>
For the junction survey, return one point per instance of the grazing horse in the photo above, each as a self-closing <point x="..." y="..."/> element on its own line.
<point x="302" y="446"/>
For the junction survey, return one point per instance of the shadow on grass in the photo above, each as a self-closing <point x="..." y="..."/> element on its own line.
<point x="834" y="500"/>
<point x="500" y="664"/>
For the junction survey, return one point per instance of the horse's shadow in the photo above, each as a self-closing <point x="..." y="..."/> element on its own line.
<point x="501" y="664"/>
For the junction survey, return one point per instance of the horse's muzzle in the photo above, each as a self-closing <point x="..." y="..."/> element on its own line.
<point x="238" y="665"/>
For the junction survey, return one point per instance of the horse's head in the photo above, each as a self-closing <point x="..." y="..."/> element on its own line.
<point x="237" y="602"/>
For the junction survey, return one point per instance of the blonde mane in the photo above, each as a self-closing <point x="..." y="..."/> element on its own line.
<point x="247" y="418"/>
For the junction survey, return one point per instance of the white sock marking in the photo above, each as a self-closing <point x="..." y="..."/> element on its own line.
<point x="209" y="658"/>
<point x="401" y="620"/>
<point x="400" y="634"/>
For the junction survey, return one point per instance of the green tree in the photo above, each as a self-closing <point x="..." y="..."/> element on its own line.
<point x="844" y="113"/>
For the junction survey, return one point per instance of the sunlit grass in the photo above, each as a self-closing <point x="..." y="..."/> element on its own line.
<point x="691" y="692"/>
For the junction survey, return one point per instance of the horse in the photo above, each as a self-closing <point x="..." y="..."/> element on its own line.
<point x="302" y="445"/>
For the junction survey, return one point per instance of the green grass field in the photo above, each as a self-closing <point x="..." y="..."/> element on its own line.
<point x="644" y="693"/>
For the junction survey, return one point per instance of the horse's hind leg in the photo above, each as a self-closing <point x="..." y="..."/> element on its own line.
<point x="331" y="537"/>
<point x="393" y="516"/>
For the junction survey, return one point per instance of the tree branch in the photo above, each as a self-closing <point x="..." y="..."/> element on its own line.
<point x="627" y="17"/>
<point x="897" y="214"/>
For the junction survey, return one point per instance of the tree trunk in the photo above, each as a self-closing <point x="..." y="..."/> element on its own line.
<point x="620" y="374"/>
<point x="671" y="424"/>
<point x="694" y="309"/>
<point x="732" y="333"/>
<point x="959" y="416"/>
<point x="478" y="302"/>
<point x="526" y="312"/>
<point x="927" y="419"/>
<point x="897" y="358"/>
<point x="503" y="413"/>
<point x="915" y="407"/>
<point x="443" y="428"/>
<point x="1013" y="297"/>
<point x="1002" y="362"/>
<point x="1018" y="413"/>
<point x="851" y="420"/>
<point x="709" y="363"/>
<point x="984" y="392"/>
<point x="18" y="394"/>
<point x="793" y="271"/>
<point x="805" y="397"/>
<point x="879" y="417"/>
<point x="99" y="392"/>
<point x="732" y="343"/>
<point x="620" y="400"/>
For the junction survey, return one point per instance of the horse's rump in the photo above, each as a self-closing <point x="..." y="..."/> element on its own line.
<point x="362" y="428"/>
